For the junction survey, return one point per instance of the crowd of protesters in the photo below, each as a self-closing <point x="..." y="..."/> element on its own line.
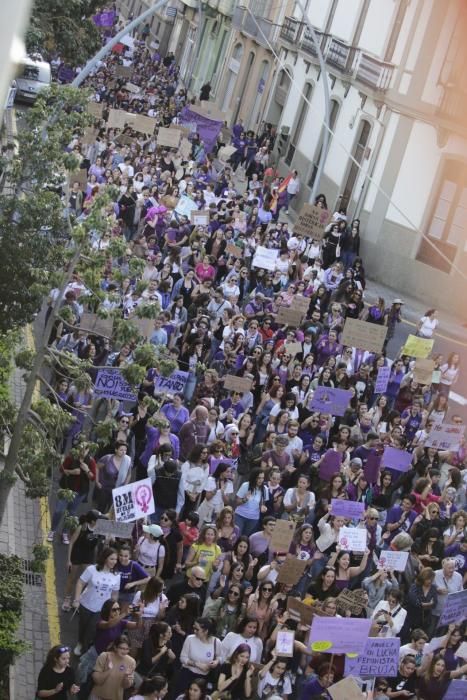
<point x="190" y="607"/>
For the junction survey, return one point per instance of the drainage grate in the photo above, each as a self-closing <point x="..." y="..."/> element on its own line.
<point x="31" y="578"/>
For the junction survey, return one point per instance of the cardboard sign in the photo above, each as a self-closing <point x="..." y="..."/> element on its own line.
<point x="89" y="135"/>
<point x="390" y="559"/>
<point x="118" y="118"/>
<point x="417" y="347"/>
<point x="423" y="371"/>
<point x="185" y="149"/>
<point x="133" y="501"/>
<point x="93" y="324"/>
<point x="363" y="335"/>
<point x="346" y="689"/>
<point x="347" y="509"/>
<point x="382" y="380"/>
<point x="292" y="348"/>
<point x="285" y="643"/>
<point x="328" y="400"/>
<point x="265" y="258"/>
<point x="287" y="316"/>
<point x="311" y="222"/>
<point x="393" y="458"/>
<point x="95" y="108"/>
<point x="111" y="528"/>
<point x="200" y="217"/>
<point x="79" y="176"/>
<point x="302" y="303"/>
<point x="240" y="384"/>
<point x="123" y="71"/>
<point x="299" y="611"/>
<point x="110" y="384"/>
<point x="145" y="326"/>
<point x="174" y="384"/>
<point x="353" y="539"/>
<point x="457" y="690"/>
<point x="183" y="129"/>
<point x="291" y="570"/>
<point x="339" y="635"/>
<point x="235" y="250"/>
<point x="455" y="608"/>
<point x="282" y="536"/>
<point x="355" y="601"/>
<point x="170" y="138"/>
<point x="445" y="436"/>
<point x="330" y="465"/>
<point x="380" y="658"/>
<point x="143" y="124"/>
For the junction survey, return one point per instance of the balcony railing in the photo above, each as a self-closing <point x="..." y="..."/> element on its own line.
<point x="349" y="60"/>
<point x="453" y="104"/>
<point x="262" y="30"/>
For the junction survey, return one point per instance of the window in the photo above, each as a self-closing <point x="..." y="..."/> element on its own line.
<point x="358" y="153"/>
<point x="298" y="128"/>
<point x="447" y="224"/>
<point x="334" y="110"/>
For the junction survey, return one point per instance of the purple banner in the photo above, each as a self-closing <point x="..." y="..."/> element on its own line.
<point x="347" y="509"/>
<point x="400" y="460"/>
<point x="213" y="463"/>
<point x="382" y="380"/>
<point x="339" y="635"/>
<point x="331" y="464"/>
<point x="371" y="467"/>
<point x="328" y="400"/>
<point x="457" y="690"/>
<point x="455" y="608"/>
<point x="105" y="19"/>
<point x="208" y="129"/>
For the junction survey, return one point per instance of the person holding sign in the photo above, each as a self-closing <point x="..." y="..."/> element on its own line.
<point x="344" y="572"/>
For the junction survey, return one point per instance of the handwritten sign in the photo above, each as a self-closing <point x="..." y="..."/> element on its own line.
<point x="185" y="149"/>
<point x="240" y="384"/>
<point x="292" y="570"/>
<point x="363" y="335"/>
<point x="95" y="109"/>
<point x="110" y="384"/>
<point x="328" y="400"/>
<point x="423" y="371"/>
<point x="285" y="642"/>
<point x="94" y="324"/>
<point x="89" y="135"/>
<point x="382" y="380"/>
<point x="311" y="222"/>
<point x="347" y="509"/>
<point x="200" y="217"/>
<point x="299" y="611"/>
<point x="380" y="657"/>
<point x="170" y="138"/>
<point x="265" y="258"/>
<point x="355" y="601"/>
<point x="112" y="528"/>
<point x="393" y="458"/>
<point x="445" y="436"/>
<point x="118" y="118"/>
<point x="288" y="316"/>
<point x="417" y="347"/>
<point x="292" y="348"/>
<point x="353" y="539"/>
<point x="455" y="608"/>
<point x="174" y="384"/>
<point x="282" y="536"/>
<point x="133" y="501"/>
<point x="339" y="635"/>
<point x="390" y="559"/>
<point x="346" y="689"/>
<point x="143" y="124"/>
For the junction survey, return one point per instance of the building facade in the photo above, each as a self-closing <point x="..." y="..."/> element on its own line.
<point x="398" y="156"/>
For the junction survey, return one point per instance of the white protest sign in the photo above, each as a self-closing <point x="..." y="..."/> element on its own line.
<point x="353" y="539"/>
<point x="185" y="206"/>
<point x="174" y="384"/>
<point x="265" y="258"/>
<point x="390" y="559"/>
<point x="285" y="642"/>
<point x="133" y="501"/>
<point x="111" y="385"/>
<point x="444" y="436"/>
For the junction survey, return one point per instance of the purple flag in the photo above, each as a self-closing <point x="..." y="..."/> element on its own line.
<point x="328" y="400"/>
<point x="400" y="460"/>
<point x="331" y="464"/>
<point x="105" y="19"/>
<point x="371" y="467"/>
<point x="208" y="129"/>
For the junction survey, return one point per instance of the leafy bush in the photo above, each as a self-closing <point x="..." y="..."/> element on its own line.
<point x="11" y="599"/>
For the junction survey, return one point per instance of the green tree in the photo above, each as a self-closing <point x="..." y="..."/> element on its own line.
<point x="65" y="27"/>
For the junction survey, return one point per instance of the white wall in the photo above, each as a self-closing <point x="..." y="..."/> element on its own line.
<point x="317" y="12"/>
<point x="345" y="19"/>
<point x="417" y="37"/>
<point x="383" y="156"/>
<point x="432" y="93"/>
<point x="377" y="26"/>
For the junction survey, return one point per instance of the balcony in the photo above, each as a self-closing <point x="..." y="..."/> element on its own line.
<point x="373" y="72"/>
<point x="260" y="29"/>
<point x="453" y="104"/>
<point x="290" y="29"/>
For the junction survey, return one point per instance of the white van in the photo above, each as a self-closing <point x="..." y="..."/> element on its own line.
<point x="34" y="75"/>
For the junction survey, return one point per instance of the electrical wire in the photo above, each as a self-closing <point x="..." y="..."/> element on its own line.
<point x="349" y="155"/>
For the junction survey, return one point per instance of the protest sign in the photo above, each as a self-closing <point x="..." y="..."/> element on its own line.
<point x="143" y="124"/>
<point x="382" y="380"/>
<point x="133" y="501"/>
<point x="393" y="458"/>
<point x="105" y="19"/>
<point x="311" y="222"/>
<point x="288" y="316"/>
<point x="235" y="250"/>
<point x="110" y="384"/>
<point x="118" y="118"/>
<point x="423" y="371"/>
<point x="79" y="176"/>
<point x="436" y="377"/>
<point x="112" y="528"/>
<point x="185" y="206"/>
<point x="302" y="303"/>
<point x="347" y="509"/>
<point x="455" y="608"/>
<point x="233" y="383"/>
<point x="173" y="384"/>
<point x="371" y="467"/>
<point x="131" y="87"/>
<point x="445" y="436"/>
<point x="292" y="348"/>
<point x="328" y="400"/>
<point x="89" y="135"/>
<point x="265" y="258"/>
<point x="457" y="690"/>
<point x="95" y="324"/>
<point x="330" y="464"/>
<point x="123" y="71"/>
<point x="170" y="138"/>
<point x="353" y="601"/>
<point x="299" y="611"/>
<point x="145" y="326"/>
<point x="95" y="108"/>
<point x="462" y="651"/>
<point x="291" y="571"/>
<point x="214" y="463"/>
<point x="353" y="539"/>
<point x="417" y="347"/>
<point x="282" y="536"/>
<point x="380" y="657"/>
<point x="185" y="149"/>
<point x="339" y="635"/>
<point x="285" y="642"/>
<point x="346" y="689"/>
<point x="390" y="559"/>
<point x="363" y="335"/>
<point x="183" y="130"/>
<point x="200" y="217"/>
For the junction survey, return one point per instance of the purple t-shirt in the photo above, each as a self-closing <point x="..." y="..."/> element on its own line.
<point x="105" y="637"/>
